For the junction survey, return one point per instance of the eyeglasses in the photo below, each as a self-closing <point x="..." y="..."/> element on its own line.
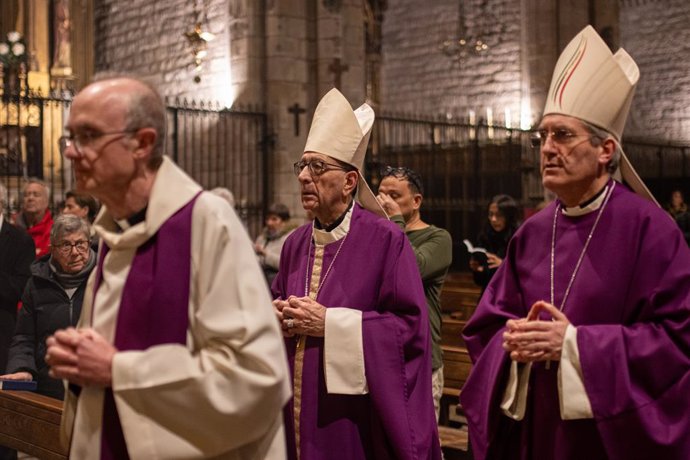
<point x="87" y="138"/>
<point x="65" y="247"/>
<point x="402" y="172"/>
<point x="316" y="167"/>
<point x="559" y="136"/>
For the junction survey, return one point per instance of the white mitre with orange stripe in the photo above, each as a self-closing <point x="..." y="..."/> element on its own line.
<point x="596" y="86"/>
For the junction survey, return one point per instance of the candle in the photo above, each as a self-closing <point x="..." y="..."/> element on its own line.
<point x="490" y="122"/>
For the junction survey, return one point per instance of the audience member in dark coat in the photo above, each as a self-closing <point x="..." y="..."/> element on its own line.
<point x="52" y="300"/>
<point x="17" y="251"/>
<point x="16" y="254"/>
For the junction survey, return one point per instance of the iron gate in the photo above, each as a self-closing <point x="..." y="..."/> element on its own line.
<point x="217" y="147"/>
<point x="462" y="167"/>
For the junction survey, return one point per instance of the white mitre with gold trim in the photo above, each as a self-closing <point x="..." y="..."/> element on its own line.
<point x="341" y="133"/>
<point x="596" y="86"/>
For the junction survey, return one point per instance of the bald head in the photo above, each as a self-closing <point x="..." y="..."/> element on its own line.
<point x="137" y="102"/>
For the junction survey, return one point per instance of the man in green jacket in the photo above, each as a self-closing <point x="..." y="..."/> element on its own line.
<point x="401" y="194"/>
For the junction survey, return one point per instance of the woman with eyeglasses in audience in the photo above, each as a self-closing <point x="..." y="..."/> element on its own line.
<point x="503" y="222"/>
<point x="52" y="300"/>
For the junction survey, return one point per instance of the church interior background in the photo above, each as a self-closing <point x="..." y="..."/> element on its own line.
<point x="456" y="85"/>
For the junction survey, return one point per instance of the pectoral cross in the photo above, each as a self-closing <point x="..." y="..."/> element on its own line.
<point x="296" y="110"/>
<point x="337" y="68"/>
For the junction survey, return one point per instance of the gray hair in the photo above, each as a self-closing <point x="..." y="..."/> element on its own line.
<point x="36" y="180"/>
<point x="67" y="224"/>
<point x="599" y="135"/>
<point x="146" y="108"/>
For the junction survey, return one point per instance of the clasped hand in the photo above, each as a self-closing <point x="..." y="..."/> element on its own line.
<point x="81" y="356"/>
<point x="531" y="339"/>
<point x="300" y="316"/>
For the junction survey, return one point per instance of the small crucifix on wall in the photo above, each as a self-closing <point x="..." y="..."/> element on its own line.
<point x="296" y="111"/>
<point x="337" y="68"/>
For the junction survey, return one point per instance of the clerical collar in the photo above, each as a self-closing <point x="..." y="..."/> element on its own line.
<point x="132" y="220"/>
<point x="323" y="236"/>
<point x="588" y="206"/>
<point x="337" y="222"/>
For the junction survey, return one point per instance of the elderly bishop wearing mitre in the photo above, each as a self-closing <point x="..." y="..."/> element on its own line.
<point x="580" y="342"/>
<point x="351" y="304"/>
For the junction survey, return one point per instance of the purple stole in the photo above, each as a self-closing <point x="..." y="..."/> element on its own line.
<point x="154" y="308"/>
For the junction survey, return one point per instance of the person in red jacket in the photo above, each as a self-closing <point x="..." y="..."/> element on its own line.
<point x="35" y="216"/>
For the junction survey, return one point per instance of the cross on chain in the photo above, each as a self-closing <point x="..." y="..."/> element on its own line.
<point x="337" y="69"/>
<point x="296" y="111"/>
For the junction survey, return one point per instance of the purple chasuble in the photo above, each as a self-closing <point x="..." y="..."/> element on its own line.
<point x="376" y="272"/>
<point x="154" y="308"/>
<point x="630" y="303"/>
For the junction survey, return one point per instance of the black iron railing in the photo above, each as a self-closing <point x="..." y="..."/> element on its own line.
<point x="217" y="147"/>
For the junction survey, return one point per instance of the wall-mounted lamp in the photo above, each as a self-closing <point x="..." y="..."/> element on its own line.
<point x="464" y="43"/>
<point x="198" y="40"/>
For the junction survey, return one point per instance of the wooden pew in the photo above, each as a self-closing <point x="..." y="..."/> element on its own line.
<point x="459" y="296"/>
<point x="459" y="287"/>
<point x="30" y="423"/>
<point x="454" y="442"/>
<point x="451" y="331"/>
<point x="456" y="369"/>
<point x="456" y="366"/>
<point x="458" y="301"/>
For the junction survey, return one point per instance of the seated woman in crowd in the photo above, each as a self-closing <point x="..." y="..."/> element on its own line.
<point x="270" y="242"/>
<point x="84" y="206"/>
<point x="504" y="220"/>
<point x="52" y="300"/>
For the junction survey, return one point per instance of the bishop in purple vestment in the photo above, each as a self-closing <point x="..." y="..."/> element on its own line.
<point x="581" y="342"/>
<point x="350" y="300"/>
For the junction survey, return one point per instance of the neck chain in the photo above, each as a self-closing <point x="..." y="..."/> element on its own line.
<point x="582" y="254"/>
<point x="323" y="280"/>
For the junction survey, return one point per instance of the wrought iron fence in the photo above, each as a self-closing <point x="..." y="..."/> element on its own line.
<point x="217" y="147"/>
<point x="29" y="130"/>
<point x="224" y="148"/>
<point x="462" y="166"/>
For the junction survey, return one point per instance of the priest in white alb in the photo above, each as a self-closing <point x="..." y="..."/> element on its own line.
<point x="177" y="354"/>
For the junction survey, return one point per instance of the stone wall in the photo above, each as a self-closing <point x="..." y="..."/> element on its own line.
<point x="147" y="38"/>
<point x="656" y="33"/>
<point x="418" y="78"/>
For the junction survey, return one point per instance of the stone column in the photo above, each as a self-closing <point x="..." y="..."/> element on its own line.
<point x="288" y="58"/>
<point x="285" y="56"/>
<point x="247" y="51"/>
